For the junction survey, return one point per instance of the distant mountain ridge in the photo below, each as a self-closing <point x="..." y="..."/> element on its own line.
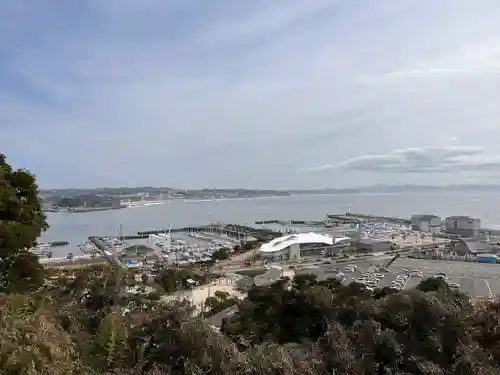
<point x="362" y="189"/>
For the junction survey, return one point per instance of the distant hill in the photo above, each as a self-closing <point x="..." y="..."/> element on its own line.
<point x="154" y="191"/>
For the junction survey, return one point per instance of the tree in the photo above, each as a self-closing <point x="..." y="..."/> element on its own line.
<point x="21" y="273"/>
<point x="219" y="302"/>
<point x="221" y="254"/>
<point x="21" y="223"/>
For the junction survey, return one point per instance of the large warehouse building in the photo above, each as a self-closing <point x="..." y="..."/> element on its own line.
<point x="294" y="246"/>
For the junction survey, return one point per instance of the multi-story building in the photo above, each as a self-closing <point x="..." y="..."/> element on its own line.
<point x="426" y="223"/>
<point x="463" y="226"/>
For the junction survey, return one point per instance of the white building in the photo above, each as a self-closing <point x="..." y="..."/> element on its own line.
<point x="292" y="246"/>
<point x="426" y="223"/>
<point x="464" y="226"/>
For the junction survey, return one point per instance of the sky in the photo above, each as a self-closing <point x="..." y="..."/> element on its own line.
<point x="251" y="94"/>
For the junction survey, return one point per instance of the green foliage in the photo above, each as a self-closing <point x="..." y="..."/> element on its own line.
<point x="21" y="222"/>
<point x="174" y="279"/>
<point x="220" y="301"/>
<point x="221" y="254"/>
<point x="432" y="285"/>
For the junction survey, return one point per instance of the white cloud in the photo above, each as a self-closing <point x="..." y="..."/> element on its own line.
<point x="436" y="159"/>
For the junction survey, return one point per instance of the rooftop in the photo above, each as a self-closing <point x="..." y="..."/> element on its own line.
<point x="282" y="243"/>
<point x="424" y="217"/>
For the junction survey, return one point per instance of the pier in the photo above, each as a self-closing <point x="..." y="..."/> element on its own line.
<point x="102" y="247"/>
<point x="392" y="219"/>
<point x="311" y="223"/>
<point x="357" y="218"/>
<point x="233" y="230"/>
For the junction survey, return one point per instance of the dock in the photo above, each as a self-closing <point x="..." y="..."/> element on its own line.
<point x="102" y="247"/>
<point x="311" y="223"/>
<point x="391" y="219"/>
<point x="358" y="218"/>
<point x="233" y="230"/>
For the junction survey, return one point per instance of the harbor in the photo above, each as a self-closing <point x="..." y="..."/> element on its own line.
<point x="190" y="245"/>
<point x="188" y="240"/>
<point x="180" y="246"/>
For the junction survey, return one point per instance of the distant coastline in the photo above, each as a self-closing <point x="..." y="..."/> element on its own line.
<point x="141" y="204"/>
<point x="92" y="200"/>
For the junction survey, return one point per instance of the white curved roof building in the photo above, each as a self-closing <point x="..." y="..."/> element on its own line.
<point x="282" y="243"/>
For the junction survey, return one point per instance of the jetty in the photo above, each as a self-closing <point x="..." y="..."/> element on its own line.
<point x="311" y="223"/>
<point x="358" y="218"/>
<point x="237" y="231"/>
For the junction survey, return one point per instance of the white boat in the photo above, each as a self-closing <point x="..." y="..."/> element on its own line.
<point x="87" y="247"/>
<point x="40" y="249"/>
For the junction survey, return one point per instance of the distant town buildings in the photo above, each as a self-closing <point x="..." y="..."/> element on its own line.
<point x="426" y="223"/>
<point x="463" y="226"/>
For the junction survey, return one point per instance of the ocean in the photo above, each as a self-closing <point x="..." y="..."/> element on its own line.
<point x="77" y="227"/>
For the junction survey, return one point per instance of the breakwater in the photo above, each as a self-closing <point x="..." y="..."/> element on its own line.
<point x="232" y="230"/>
<point x="58" y="243"/>
<point x="354" y="218"/>
<point x="391" y="219"/>
<point x="291" y="222"/>
<point x="53" y="243"/>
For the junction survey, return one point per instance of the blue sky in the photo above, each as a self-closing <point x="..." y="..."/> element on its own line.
<point x="270" y="94"/>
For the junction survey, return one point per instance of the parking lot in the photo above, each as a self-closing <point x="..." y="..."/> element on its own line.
<point x="386" y="279"/>
<point x="474" y="279"/>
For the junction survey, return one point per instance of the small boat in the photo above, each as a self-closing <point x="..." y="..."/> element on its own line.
<point x="87" y="247"/>
<point x="40" y="249"/>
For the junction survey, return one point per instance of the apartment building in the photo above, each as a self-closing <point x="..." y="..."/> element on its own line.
<point x="463" y="226"/>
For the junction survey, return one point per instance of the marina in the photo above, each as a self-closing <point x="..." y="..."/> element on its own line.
<point x="179" y="247"/>
<point x="289" y="215"/>
<point x="190" y="245"/>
